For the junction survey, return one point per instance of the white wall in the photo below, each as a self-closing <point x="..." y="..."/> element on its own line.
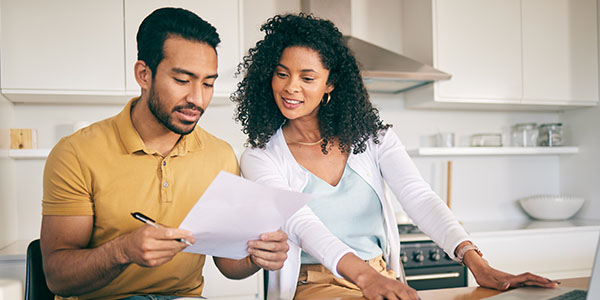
<point x="580" y="174"/>
<point x="483" y="188"/>
<point x="8" y="205"/>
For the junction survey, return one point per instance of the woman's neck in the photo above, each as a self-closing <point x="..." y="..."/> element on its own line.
<point x="303" y="131"/>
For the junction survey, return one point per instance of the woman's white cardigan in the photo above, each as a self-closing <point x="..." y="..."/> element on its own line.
<point x="275" y="166"/>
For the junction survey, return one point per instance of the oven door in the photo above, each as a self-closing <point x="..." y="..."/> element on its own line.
<point x="427" y="278"/>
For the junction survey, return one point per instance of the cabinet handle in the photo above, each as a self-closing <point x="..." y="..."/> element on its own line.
<point x="433" y="276"/>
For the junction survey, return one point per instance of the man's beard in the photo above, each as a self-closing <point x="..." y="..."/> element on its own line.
<point x="165" y="118"/>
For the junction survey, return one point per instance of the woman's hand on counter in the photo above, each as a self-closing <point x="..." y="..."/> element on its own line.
<point x="486" y="276"/>
<point x="372" y="284"/>
<point x="378" y="286"/>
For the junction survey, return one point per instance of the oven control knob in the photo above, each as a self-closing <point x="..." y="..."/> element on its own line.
<point x="418" y="256"/>
<point x="403" y="257"/>
<point x="434" y="255"/>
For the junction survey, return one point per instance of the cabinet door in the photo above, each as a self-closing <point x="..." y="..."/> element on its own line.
<point x="67" y="45"/>
<point x="217" y="286"/>
<point x="223" y="14"/>
<point x="560" y="51"/>
<point x="552" y="254"/>
<point x="479" y="43"/>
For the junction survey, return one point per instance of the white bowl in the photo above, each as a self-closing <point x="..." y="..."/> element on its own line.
<point x="549" y="207"/>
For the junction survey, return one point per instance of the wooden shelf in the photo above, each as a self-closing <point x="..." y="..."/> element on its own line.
<point x="28" y="153"/>
<point x="499" y="151"/>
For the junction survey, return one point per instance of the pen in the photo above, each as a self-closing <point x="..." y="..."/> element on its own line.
<point x="143" y="218"/>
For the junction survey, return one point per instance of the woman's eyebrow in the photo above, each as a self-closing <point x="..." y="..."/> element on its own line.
<point x="303" y="70"/>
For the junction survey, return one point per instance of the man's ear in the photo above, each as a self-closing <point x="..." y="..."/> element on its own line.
<point x="143" y="75"/>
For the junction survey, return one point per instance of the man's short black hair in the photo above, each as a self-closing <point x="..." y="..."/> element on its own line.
<point x="171" y="22"/>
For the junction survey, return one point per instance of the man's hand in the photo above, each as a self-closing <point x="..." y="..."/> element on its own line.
<point x="149" y="246"/>
<point x="270" y="251"/>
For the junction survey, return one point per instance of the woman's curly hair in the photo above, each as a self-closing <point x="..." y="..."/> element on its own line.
<point x="349" y="115"/>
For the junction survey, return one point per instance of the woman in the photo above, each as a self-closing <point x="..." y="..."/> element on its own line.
<point x="311" y="128"/>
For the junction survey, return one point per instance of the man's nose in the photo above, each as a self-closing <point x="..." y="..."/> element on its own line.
<point x="196" y="95"/>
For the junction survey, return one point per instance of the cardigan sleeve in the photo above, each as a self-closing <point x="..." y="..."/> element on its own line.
<point x="303" y="228"/>
<point x="416" y="197"/>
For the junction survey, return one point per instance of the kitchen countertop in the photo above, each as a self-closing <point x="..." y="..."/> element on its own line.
<point x="530" y="226"/>
<point x="475" y="293"/>
<point x="515" y="227"/>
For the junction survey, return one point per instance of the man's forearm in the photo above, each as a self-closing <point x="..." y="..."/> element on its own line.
<point x="78" y="271"/>
<point x="236" y="269"/>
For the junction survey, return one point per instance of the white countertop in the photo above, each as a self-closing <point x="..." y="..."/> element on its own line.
<point x="512" y="227"/>
<point x="529" y="226"/>
<point x="14" y="251"/>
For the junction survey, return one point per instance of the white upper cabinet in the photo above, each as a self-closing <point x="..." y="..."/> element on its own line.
<point x="508" y="54"/>
<point x="560" y="51"/>
<point x="73" y="51"/>
<point x="478" y="43"/>
<point x="63" y="45"/>
<point x="223" y="14"/>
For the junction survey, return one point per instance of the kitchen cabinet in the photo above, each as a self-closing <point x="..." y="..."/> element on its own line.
<point x="223" y="15"/>
<point x="507" y="54"/>
<point x="61" y="48"/>
<point x="70" y="51"/>
<point x="553" y="249"/>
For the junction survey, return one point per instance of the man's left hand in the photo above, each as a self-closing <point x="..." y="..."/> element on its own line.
<point x="270" y="251"/>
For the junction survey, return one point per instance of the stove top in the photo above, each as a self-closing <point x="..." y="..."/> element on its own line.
<point x="411" y="233"/>
<point x="409" y="229"/>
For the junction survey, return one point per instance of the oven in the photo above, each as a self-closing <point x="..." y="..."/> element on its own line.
<point x="426" y="265"/>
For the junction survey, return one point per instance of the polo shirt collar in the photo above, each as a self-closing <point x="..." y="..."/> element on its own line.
<point x="133" y="142"/>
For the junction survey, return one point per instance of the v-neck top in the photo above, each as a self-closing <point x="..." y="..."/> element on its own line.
<point x="351" y="210"/>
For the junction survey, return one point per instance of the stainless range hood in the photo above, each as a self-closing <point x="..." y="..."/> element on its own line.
<point x="383" y="71"/>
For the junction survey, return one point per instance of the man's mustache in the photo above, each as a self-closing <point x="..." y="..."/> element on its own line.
<point x="189" y="106"/>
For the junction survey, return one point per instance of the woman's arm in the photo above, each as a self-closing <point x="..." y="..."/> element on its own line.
<point x="305" y="229"/>
<point x="432" y="216"/>
<point x="415" y="195"/>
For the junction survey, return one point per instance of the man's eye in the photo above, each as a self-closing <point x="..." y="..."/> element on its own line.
<point x="209" y="85"/>
<point x="308" y="78"/>
<point x="181" y="80"/>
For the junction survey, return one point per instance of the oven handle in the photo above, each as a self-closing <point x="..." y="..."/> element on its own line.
<point x="432" y="276"/>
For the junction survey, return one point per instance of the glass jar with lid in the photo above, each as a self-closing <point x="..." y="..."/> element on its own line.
<point x="550" y="135"/>
<point x="525" y="135"/>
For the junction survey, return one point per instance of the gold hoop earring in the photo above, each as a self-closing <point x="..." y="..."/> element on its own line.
<point x="326" y="101"/>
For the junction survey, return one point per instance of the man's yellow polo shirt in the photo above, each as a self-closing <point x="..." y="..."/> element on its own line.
<point x="106" y="171"/>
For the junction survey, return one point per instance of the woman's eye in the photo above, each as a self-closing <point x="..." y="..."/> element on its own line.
<point x="282" y="75"/>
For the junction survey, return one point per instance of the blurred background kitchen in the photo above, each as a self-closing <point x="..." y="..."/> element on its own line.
<point x="68" y="63"/>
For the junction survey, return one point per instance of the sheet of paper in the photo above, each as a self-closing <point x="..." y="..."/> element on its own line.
<point x="233" y="211"/>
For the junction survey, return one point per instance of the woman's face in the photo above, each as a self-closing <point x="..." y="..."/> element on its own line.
<point x="299" y="83"/>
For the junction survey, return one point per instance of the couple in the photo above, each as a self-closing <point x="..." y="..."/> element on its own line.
<point x="310" y="127"/>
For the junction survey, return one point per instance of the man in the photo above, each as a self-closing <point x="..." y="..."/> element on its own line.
<point x="150" y="158"/>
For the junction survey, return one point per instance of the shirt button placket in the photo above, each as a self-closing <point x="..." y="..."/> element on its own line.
<point x="165" y="184"/>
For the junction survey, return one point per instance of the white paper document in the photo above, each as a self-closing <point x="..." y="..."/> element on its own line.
<point x="233" y="211"/>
